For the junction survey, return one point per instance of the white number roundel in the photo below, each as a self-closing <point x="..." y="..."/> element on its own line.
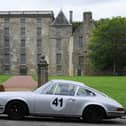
<point x="57" y="103"/>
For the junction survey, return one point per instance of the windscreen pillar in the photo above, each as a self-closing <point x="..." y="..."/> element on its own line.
<point x="42" y="71"/>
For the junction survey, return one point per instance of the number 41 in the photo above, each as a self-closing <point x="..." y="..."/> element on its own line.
<point x="58" y="102"/>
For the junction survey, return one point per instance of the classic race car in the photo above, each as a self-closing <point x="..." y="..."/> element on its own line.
<point x="61" y="98"/>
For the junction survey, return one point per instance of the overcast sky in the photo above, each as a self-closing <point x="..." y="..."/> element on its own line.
<point x="99" y="8"/>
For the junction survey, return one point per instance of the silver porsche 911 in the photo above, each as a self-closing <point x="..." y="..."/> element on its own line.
<point x="61" y="98"/>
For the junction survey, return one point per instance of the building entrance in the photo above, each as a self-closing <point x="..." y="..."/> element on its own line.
<point x="23" y="70"/>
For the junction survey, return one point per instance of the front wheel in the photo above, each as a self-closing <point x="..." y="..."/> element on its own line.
<point x="16" y="110"/>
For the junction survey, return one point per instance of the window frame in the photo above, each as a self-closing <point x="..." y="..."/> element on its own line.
<point x="46" y="89"/>
<point x="23" y="59"/>
<point x="23" y="43"/>
<point x="39" y="43"/>
<point x="39" y="31"/>
<point x="81" y="60"/>
<point x="58" y="43"/>
<point x="58" y="58"/>
<point x="68" y="92"/>
<point x="22" y="20"/>
<point x="81" y="43"/>
<point x="38" y="20"/>
<point x="22" y="31"/>
<point x="79" y="87"/>
<point x="6" y="42"/>
<point x="6" y="58"/>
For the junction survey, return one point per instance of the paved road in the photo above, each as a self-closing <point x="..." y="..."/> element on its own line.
<point x="16" y="83"/>
<point x="31" y="121"/>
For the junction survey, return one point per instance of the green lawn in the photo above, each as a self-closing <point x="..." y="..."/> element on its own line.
<point x="112" y="86"/>
<point x="3" y="78"/>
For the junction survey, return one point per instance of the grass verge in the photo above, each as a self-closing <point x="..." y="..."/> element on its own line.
<point x="4" y="78"/>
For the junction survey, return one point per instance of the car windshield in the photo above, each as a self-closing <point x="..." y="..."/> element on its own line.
<point x="42" y="88"/>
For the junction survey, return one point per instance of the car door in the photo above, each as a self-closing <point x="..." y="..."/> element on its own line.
<point x="57" y="100"/>
<point x="63" y="99"/>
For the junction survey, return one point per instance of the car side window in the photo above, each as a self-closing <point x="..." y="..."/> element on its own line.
<point x="84" y="92"/>
<point x="50" y="89"/>
<point x="65" y="89"/>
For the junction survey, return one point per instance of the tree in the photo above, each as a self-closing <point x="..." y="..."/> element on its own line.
<point x="108" y="44"/>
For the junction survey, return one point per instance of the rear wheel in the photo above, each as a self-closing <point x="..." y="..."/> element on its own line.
<point x="16" y="110"/>
<point x="93" y="114"/>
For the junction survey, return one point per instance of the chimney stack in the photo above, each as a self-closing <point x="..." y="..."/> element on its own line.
<point x="87" y="17"/>
<point x="71" y="17"/>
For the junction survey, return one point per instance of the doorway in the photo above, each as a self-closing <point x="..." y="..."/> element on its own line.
<point x="23" y="70"/>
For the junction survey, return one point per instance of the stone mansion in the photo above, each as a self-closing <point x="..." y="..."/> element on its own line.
<point x="25" y="35"/>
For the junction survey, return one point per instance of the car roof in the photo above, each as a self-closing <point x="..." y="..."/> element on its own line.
<point x="69" y="82"/>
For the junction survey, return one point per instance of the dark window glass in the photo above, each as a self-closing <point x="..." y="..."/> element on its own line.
<point x="6" y="50"/>
<point x="6" y="42"/>
<point x="39" y="20"/>
<point x="58" y="58"/>
<point x="80" y="42"/>
<point x="6" y="20"/>
<point x="38" y="58"/>
<point x="22" y="30"/>
<point x="39" y="31"/>
<point x="6" y="31"/>
<point x="81" y="60"/>
<point x="58" y="44"/>
<point x="6" y="59"/>
<point x="22" y="20"/>
<point x="23" y="43"/>
<point x="23" y="58"/>
<point x="39" y="43"/>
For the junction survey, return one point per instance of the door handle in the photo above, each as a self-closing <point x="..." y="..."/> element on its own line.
<point x="71" y="100"/>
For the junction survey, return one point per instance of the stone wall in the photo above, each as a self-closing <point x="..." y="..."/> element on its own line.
<point x="72" y="52"/>
<point x="30" y="37"/>
<point x="63" y="33"/>
<point x="49" y="34"/>
<point x="82" y="64"/>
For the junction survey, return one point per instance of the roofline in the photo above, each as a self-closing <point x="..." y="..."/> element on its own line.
<point x="69" y="81"/>
<point x="14" y="13"/>
<point x="54" y="23"/>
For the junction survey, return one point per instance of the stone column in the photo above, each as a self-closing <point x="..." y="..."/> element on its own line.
<point x="42" y="71"/>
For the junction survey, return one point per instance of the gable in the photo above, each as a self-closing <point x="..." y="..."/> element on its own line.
<point x="61" y="19"/>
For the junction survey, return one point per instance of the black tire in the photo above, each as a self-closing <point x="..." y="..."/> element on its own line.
<point x="16" y="110"/>
<point x="93" y="114"/>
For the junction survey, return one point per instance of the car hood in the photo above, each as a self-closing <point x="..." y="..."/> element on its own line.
<point x="16" y="94"/>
